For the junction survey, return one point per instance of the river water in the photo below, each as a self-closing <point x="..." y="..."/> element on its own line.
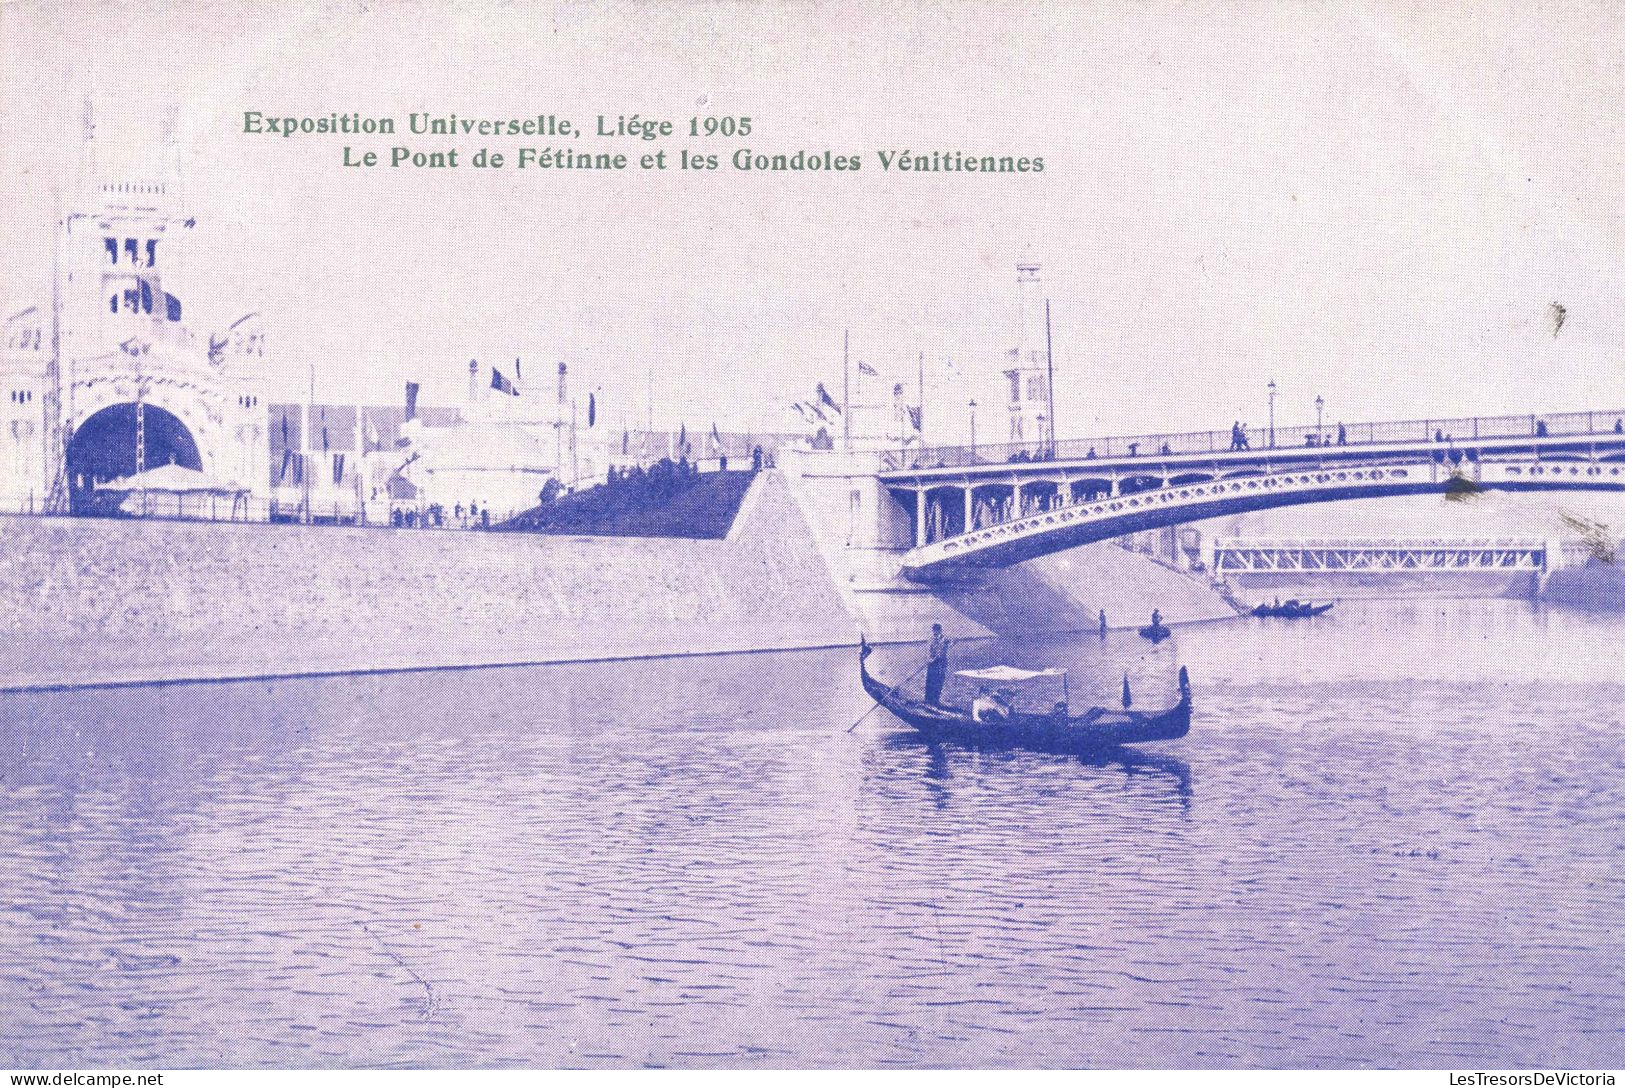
<point x="1394" y="837"/>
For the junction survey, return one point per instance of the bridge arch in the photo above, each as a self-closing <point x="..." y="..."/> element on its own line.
<point x="1045" y="532"/>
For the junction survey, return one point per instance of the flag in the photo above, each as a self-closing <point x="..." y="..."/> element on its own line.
<point x="372" y="432"/>
<point x="865" y="368"/>
<point x="324" y="433"/>
<point x="287" y="454"/>
<point x="825" y="399"/>
<point x="716" y="441"/>
<point x="517" y="376"/>
<point x="284" y="430"/>
<point x="625" y="439"/>
<point x="914" y="417"/>
<point x="338" y="468"/>
<point x="411" y="401"/>
<point x="592" y="409"/>
<point x="501" y="384"/>
<point x="682" y="437"/>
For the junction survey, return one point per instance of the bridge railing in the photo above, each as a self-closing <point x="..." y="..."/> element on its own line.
<point x="1454" y="430"/>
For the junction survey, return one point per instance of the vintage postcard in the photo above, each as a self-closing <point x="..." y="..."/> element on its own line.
<point x="880" y="535"/>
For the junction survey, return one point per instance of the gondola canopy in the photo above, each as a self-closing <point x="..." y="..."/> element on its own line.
<point x="1006" y="674"/>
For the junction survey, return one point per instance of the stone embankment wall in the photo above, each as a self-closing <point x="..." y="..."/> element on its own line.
<point x="87" y="601"/>
<point x="106" y="601"/>
<point x="1598" y="584"/>
<point x="1067" y="592"/>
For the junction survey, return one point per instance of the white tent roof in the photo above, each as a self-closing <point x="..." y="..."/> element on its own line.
<point x="1006" y="673"/>
<point x="171" y="478"/>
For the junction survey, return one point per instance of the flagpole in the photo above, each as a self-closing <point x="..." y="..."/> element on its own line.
<point x="1049" y="354"/>
<point x="360" y="448"/>
<point x="310" y="411"/>
<point x="846" y="389"/>
<point x="920" y="399"/>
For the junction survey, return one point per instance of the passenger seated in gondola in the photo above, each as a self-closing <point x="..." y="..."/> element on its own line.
<point x="988" y="707"/>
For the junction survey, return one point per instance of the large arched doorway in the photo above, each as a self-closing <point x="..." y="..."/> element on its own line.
<point x="104" y="448"/>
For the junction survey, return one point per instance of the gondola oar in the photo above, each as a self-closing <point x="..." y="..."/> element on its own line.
<point x="893" y="689"/>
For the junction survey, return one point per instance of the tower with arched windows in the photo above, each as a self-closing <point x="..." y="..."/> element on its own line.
<point x="1026" y="371"/>
<point x="106" y="379"/>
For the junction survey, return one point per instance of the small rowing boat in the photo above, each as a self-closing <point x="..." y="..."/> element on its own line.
<point x="1095" y="728"/>
<point x="1293" y="610"/>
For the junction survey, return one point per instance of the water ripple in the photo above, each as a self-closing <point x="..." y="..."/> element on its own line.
<point x="1405" y="855"/>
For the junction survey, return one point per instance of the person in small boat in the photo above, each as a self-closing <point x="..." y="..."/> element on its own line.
<point x="1102" y="623"/>
<point x="936" y="667"/>
<point x="1156" y="618"/>
<point x="989" y="706"/>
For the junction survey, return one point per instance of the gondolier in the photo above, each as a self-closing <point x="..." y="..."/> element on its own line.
<point x="936" y="668"/>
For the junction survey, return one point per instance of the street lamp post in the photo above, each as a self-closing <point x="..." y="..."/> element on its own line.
<point x="1320" y="409"/>
<point x="1271" y="388"/>
<point x="973" y="429"/>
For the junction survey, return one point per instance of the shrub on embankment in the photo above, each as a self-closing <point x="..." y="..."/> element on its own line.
<point x="669" y="499"/>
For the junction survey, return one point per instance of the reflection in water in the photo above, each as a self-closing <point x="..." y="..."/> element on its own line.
<point x="1403" y="849"/>
<point x="1008" y="758"/>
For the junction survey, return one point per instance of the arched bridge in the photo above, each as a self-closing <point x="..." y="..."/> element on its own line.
<point x="973" y="508"/>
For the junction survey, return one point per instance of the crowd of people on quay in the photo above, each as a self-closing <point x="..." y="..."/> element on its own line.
<point x="436" y="516"/>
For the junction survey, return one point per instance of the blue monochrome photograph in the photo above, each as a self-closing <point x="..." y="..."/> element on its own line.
<point x="812" y="536"/>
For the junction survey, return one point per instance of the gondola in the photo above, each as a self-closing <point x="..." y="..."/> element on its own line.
<point x="1293" y="610"/>
<point x="1095" y="728"/>
<point x="1156" y="632"/>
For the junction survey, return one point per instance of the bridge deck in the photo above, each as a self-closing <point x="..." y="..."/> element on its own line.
<point x="907" y="470"/>
<point x="1461" y="431"/>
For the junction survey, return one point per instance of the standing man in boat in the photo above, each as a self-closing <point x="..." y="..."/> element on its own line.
<point x="936" y="667"/>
